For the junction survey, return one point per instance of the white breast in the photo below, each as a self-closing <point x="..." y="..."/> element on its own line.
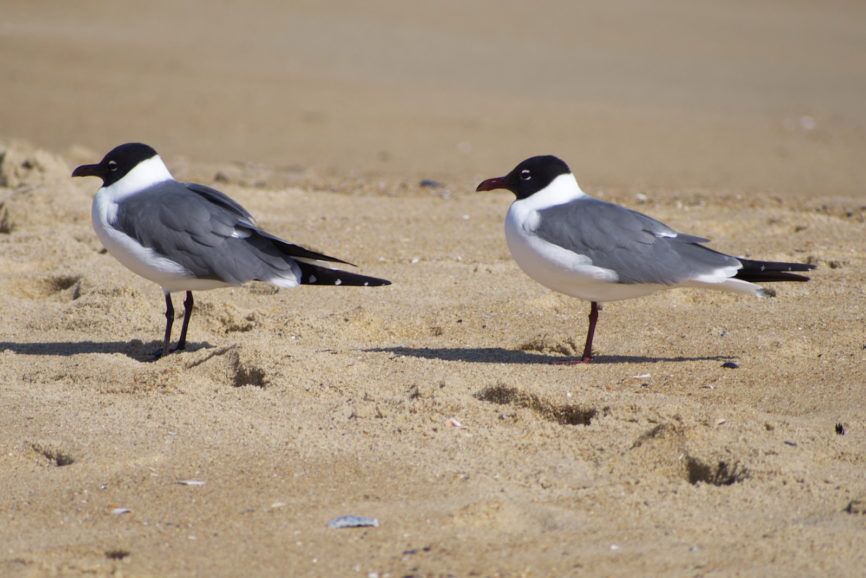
<point x="137" y="258"/>
<point x="555" y="267"/>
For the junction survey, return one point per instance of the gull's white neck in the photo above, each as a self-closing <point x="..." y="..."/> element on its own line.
<point x="561" y="190"/>
<point x="145" y="174"/>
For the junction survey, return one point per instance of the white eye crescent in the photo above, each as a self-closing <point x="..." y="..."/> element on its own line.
<point x="525" y="175"/>
<point x="112" y="166"/>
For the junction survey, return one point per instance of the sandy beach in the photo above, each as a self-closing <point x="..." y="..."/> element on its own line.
<point x="433" y="404"/>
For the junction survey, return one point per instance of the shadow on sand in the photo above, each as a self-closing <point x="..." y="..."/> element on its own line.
<point x="500" y="355"/>
<point x="135" y="349"/>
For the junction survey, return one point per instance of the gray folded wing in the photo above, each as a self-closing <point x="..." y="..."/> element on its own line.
<point x="637" y="247"/>
<point x="204" y="231"/>
<point x="219" y="198"/>
<point x="247" y="221"/>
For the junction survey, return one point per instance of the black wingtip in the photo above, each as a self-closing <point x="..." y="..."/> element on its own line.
<point x="770" y="277"/>
<point x="772" y="271"/>
<point x="318" y="275"/>
<point x="297" y="251"/>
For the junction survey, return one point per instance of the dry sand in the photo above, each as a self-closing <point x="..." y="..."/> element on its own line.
<point x="293" y="407"/>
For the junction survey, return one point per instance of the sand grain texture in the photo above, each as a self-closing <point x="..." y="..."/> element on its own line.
<point x="329" y="401"/>
<point x="431" y="405"/>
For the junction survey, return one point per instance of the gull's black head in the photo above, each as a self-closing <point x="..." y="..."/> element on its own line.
<point x="528" y="177"/>
<point x="119" y="161"/>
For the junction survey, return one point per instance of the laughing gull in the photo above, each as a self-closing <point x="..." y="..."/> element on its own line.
<point x="188" y="237"/>
<point x="599" y="251"/>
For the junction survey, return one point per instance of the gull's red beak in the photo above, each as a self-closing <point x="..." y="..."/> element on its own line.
<point x="88" y="171"/>
<point x="492" y="184"/>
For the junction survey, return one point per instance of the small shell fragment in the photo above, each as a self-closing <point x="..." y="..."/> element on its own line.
<point x="191" y="482"/>
<point x="353" y="522"/>
<point x="453" y="422"/>
<point x="119" y="511"/>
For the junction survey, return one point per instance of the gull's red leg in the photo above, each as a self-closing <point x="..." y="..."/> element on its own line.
<point x="593" y="319"/>
<point x="169" y="320"/>
<point x="587" y="348"/>
<point x="187" y="313"/>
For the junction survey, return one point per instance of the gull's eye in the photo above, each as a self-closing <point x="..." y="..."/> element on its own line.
<point x="525" y="175"/>
<point x="112" y="166"/>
